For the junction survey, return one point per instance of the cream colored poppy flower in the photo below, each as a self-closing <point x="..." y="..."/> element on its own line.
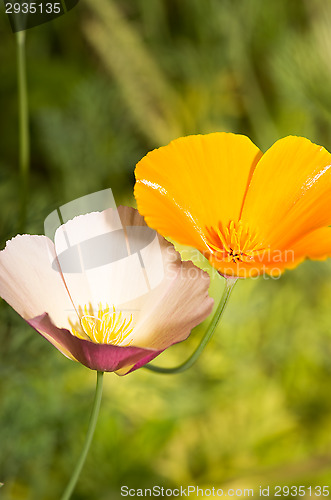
<point x="120" y="302"/>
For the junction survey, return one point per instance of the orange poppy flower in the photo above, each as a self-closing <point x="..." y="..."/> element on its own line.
<point x="249" y="213"/>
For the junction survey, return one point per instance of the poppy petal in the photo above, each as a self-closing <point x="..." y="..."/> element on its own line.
<point x="167" y="314"/>
<point x="31" y="281"/>
<point x="289" y="193"/>
<point x="317" y="245"/>
<point x="170" y="312"/>
<point x="100" y="254"/>
<point x="101" y="357"/>
<point x="195" y="182"/>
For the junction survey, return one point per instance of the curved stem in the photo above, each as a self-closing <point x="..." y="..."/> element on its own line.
<point x="24" y="138"/>
<point x="93" y="421"/>
<point x="229" y="284"/>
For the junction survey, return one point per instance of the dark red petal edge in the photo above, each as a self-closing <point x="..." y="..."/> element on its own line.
<point x="101" y="357"/>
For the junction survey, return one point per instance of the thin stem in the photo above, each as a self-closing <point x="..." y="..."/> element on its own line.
<point x="229" y="284"/>
<point x="24" y="137"/>
<point x="88" y="439"/>
<point x="64" y="7"/>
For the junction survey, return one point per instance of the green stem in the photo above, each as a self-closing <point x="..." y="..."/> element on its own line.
<point x="229" y="284"/>
<point x="64" y="7"/>
<point x="88" y="439"/>
<point x="24" y="138"/>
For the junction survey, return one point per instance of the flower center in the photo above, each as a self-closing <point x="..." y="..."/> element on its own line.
<point x="106" y="326"/>
<point x="234" y="243"/>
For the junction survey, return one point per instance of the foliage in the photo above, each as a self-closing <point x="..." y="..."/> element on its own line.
<point x="107" y="82"/>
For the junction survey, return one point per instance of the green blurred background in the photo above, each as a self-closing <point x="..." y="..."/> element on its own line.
<point x="109" y="81"/>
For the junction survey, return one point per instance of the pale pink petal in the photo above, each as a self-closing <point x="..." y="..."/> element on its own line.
<point x="30" y="280"/>
<point x="179" y="304"/>
<point x="169" y="311"/>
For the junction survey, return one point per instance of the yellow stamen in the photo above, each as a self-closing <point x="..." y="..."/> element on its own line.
<point x="104" y="327"/>
<point x="235" y="243"/>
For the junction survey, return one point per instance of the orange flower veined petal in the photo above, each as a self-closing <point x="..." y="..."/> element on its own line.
<point x="290" y="192"/>
<point x="316" y="244"/>
<point x="194" y="182"/>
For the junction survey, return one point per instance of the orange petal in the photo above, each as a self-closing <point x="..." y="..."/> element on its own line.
<point x="195" y="182"/>
<point x="315" y="245"/>
<point x="290" y="192"/>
